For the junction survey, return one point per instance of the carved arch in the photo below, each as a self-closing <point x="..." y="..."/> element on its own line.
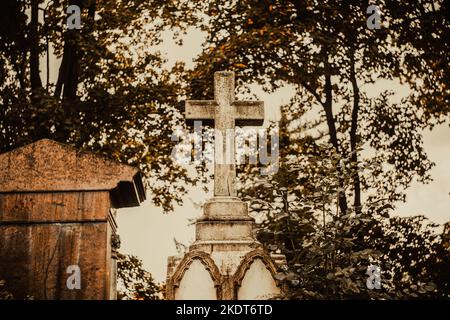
<point x="247" y="262"/>
<point x="183" y="266"/>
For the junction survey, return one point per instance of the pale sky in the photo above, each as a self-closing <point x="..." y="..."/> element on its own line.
<point x="148" y="233"/>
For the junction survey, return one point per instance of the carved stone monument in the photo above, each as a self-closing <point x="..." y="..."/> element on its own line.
<point x="225" y="262"/>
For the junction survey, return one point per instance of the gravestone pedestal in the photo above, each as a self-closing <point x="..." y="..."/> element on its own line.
<point x="225" y="262"/>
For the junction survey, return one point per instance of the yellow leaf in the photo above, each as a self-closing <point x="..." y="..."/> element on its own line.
<point x="250" y="21"/>
<point x="240" y="65"/>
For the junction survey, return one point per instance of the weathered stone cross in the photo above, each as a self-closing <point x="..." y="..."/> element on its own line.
<point x="225" y="113"/>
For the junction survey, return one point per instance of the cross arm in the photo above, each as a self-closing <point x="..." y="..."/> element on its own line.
<point x="199" y="110"/>
<point x="249" y="113"/>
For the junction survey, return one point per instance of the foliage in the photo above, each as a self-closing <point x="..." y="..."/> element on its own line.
<point x="332" y="59"/>
<point x="134" y="282"/>
<point x="361" y="146"/>
<point x="114" y="94"/>
<point x="329" y="253"/>
<point x="414" y="254"/>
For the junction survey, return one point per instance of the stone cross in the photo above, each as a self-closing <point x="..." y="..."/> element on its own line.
<point x="225" y="113"/>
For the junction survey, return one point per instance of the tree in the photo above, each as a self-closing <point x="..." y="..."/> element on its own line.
<point x="113" y="94"/>
<point x="326" y="51"/>
<point x="327" y="206"/>
<point x="329" y="254"/>
<point x="134" y="282"/>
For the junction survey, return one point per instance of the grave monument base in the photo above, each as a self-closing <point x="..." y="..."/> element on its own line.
<point x="225" y="262"/>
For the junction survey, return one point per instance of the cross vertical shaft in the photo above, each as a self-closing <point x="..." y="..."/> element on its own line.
<point x="224" y="145"/>
<point x="224" y="112"/>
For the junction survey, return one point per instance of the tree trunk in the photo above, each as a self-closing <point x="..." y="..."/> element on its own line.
<point x="69" y="70"/>
<point x="354" y="135"/>
<point x="328" y="107"/>
<point x="35" y="77"/>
